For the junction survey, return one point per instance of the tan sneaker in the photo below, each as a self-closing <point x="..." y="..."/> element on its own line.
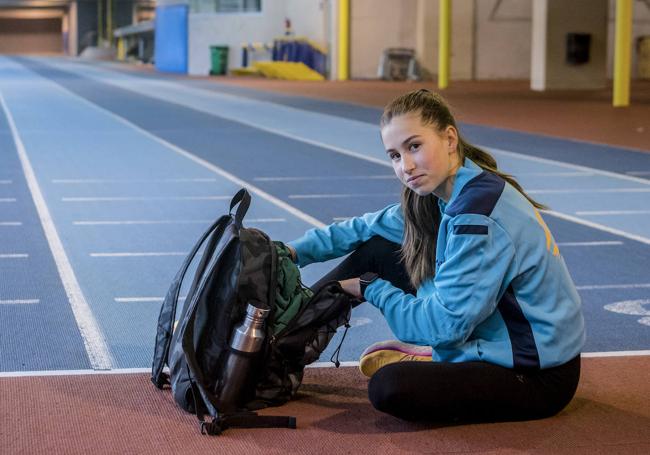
<point x="382" y="353"/>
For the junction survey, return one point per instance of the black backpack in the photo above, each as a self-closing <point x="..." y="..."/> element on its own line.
<point x="239" y="265"/>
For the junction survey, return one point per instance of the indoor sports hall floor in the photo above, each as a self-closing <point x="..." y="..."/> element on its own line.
<point x="108" y="176"/>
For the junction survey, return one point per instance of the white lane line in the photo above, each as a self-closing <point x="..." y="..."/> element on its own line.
<point x="217" y="170"/>
<point x="600" y="227"/>
<point x="11" y="223"/>
<point x="6" y="182"/>
<point x="598" y="287"/>
<point x="179" y="180"/>
<point x="589" y="190"/>
<point x="577" y="167"/>
<point x="145" y="222"/>
<point x="352" y="363"/>
<point x="19" y="302"/>
<point x="338" y="196"/>
<point x="327" y="178"/>
<point x="21" y="374"/>
<point x="143" y="254"/>
<point x="383" y="162"/>
<point x="142" y="299"/>
<point x="553" y="174"/>
<point x="28" y="374"/>
<point x="97" y="349"/>
<point x="602" y="243"/>
<point x="14" y="256"/>
<point x="311" y="220"/>
<point x="106" y="78"/>
<point x="7" y="199"/>
<point x="257" y="126"/>
<point x="146" y="198"/>
<point x="615" y="354"/>
<point x="612" y="212"/>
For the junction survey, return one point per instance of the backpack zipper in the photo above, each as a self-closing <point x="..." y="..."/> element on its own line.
<point x="289" y="326"/>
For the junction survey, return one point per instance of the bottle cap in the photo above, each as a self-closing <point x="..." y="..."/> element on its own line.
<point x="257" y="312"/>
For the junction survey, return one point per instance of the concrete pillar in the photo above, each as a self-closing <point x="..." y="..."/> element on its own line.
<point x="333" y="39"/>
<point x="552" y="21"/>
<point x="73" y="37"/>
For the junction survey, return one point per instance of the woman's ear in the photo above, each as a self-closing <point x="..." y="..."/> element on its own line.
<point x="451" y="137"/>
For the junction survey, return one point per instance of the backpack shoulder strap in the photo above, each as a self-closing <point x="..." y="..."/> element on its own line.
<point x="168" y="308"/>
<point x="245" y="420"/>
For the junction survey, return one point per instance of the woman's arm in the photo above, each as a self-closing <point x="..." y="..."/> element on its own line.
<point x="463" y="293"/>
<point x="338" y="239"/>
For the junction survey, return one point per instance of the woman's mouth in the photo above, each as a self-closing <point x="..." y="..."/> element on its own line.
<point x="414" y="181"/>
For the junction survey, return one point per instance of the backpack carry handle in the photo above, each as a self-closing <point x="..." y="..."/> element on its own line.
<point x="243" y="198"/>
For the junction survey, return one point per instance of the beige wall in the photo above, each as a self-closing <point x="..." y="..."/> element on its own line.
<point x="376" y="25"/>
<point x="560" y="18"/>
<point x="503" y="39"/>
<point x="307" y="18"/>
<point x="487" y="42"/>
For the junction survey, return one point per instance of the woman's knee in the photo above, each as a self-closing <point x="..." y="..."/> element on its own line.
<point x="387" y="394"/>
<point x="378" y="248"/>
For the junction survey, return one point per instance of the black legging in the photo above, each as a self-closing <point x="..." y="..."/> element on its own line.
<point x="443" y="391"/>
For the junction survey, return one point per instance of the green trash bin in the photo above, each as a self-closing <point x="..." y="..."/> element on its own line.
<point x="219" y="60"/>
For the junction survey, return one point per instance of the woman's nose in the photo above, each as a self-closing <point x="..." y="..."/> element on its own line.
<point x="407" y="165"/>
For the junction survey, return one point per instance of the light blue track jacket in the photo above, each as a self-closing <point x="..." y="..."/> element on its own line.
<point x="501" y="292"/>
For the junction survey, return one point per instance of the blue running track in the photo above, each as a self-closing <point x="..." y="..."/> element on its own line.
<point x="132" y="168"/>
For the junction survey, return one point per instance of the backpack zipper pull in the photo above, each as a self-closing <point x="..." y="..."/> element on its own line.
<point x="338" y="348"/>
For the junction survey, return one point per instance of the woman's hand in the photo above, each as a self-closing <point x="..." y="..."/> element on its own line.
<point x="292" y="252"/>
<point x="351" y="286"/>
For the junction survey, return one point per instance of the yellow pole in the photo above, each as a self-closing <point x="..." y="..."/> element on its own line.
<point x="444" y="41"/>
<point x="121" y="49"/>
<point x="344" y="40"/>
<point x="109" y="21"/>
<point x="622" y="51"/>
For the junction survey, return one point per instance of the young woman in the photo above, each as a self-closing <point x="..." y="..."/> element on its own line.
<point x="467" y="275"/>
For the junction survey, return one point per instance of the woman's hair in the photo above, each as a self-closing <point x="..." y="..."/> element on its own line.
<point x="421" y="214"/>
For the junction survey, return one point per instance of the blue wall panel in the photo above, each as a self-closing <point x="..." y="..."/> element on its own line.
<point x="171" y="38"/>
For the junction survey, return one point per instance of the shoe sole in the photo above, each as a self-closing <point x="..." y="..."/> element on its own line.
<point x="398" y="346"/>
<point x="377" y="359"/>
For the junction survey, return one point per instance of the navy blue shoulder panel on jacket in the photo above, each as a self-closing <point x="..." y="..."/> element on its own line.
<point x="478" y="196"/>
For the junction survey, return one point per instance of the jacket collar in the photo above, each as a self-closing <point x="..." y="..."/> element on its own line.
<point x="465" y="173"/>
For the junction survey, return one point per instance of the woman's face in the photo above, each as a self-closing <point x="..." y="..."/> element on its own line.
<point x="423" y="158"/>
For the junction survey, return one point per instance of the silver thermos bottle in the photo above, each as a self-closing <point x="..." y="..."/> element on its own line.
<point x="245" y="342"/>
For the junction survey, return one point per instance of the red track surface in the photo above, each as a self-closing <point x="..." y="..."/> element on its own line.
<point x="127" y="414"/>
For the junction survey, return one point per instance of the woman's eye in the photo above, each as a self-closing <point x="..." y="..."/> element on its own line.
<point x="414" y="146"/>
<point x="394" y="156"/>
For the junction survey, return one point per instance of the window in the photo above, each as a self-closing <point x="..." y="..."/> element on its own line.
<point x="236" y="6"/>
<point x="225" y="6"/>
